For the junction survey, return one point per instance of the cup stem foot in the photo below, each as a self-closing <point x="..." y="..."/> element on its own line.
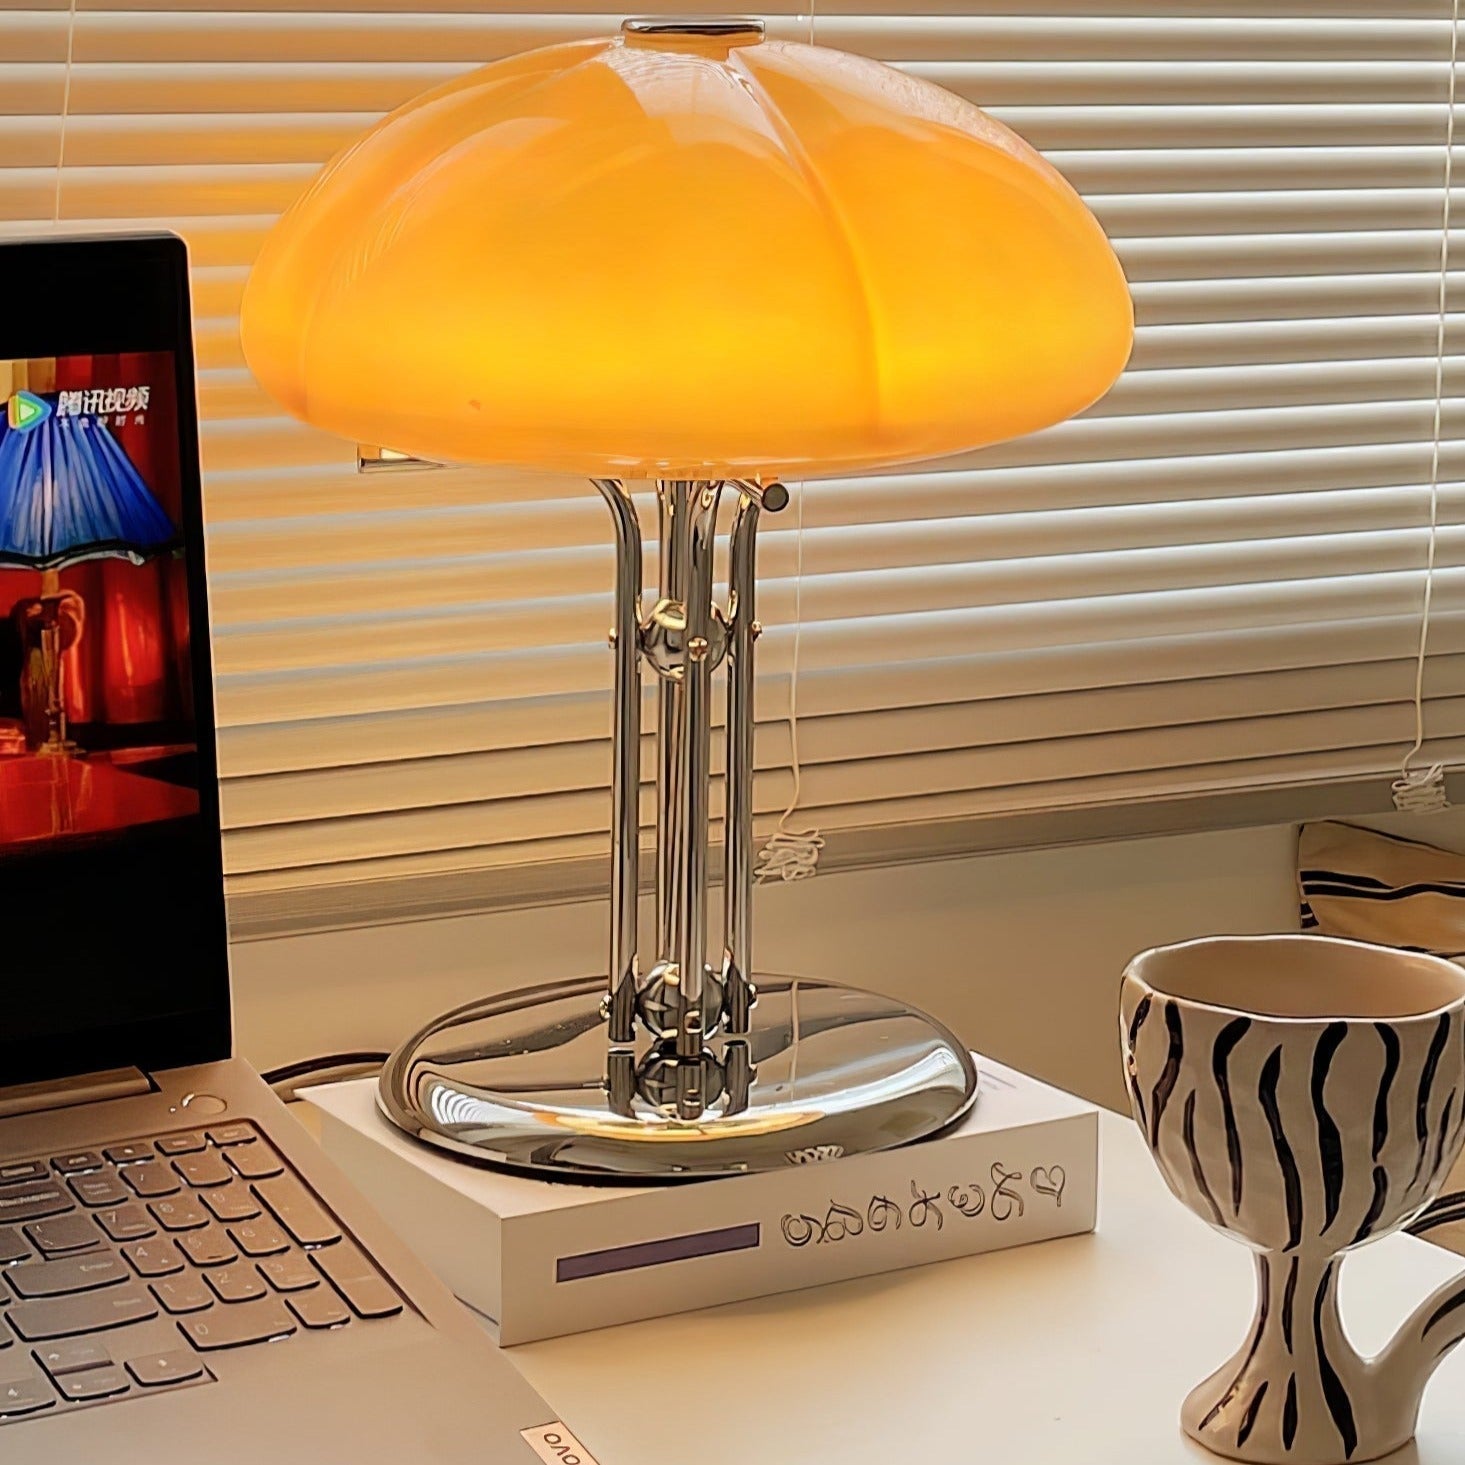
<point x="1297" y="1393"/>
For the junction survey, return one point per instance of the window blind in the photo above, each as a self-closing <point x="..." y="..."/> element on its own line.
<point x="1210" y="582"/>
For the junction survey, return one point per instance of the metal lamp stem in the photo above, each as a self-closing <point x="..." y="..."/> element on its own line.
<point x="684" y="638"/>
<point x="625" y="835"/>
<point x="737" y="968"/>
<point x="693" y="759"/>
<point x="673" y="575"/>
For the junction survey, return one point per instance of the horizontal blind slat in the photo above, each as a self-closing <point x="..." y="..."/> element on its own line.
<point x="1105" y="755"/>
<point x="524" y="717"/>
<point x="472" y="564"/>
<point x="582" y="761"/>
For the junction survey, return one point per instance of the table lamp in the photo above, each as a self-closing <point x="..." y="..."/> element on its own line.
<point x="691" y="255"/>
<point x="68" y="493"/>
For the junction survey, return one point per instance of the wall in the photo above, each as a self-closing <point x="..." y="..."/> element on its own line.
<point x="1020" y="953"/>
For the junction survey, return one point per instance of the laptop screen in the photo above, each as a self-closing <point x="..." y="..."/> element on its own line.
<point x="112" y="949"/>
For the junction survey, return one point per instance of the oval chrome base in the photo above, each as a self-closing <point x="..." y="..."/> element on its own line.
<point x="526" y="1081"/>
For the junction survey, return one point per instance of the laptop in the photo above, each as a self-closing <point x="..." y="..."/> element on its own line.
<point x="183" y="1275"/>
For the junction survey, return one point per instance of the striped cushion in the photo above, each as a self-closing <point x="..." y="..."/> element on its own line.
<point x="1376" y="887"/>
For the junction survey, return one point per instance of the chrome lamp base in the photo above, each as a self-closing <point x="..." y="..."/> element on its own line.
<point x="526" y="1082"/>
<point x="688" y="1067"/>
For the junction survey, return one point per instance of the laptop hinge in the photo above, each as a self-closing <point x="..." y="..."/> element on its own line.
<point x="85" y="1088"/>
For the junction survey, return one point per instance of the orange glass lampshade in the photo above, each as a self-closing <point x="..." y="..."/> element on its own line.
<point x="692" y="257"/>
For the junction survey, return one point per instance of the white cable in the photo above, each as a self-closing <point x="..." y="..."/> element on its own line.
<point x="65" y="113"/>
<point x="792" y="854"/>
<point x="1422" y="790"/>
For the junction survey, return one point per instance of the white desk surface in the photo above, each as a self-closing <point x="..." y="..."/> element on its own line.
<point x="1074" y="1352"/>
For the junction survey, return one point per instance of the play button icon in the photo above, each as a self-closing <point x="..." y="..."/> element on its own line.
<point x="27" y="411"/>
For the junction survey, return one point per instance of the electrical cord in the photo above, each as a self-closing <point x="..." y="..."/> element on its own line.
<point x="284" y="1079"/>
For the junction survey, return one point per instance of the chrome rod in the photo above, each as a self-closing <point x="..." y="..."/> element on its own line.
<point x="671" y="512"/>
<point x="626" y="773"/>
<point x="737" y="971"/>
<point x="692" y="813"/>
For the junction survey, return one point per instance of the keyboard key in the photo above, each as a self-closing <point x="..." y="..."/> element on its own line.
<point x="235" y="1284"/>
<point x="93" y="1383"/>
<point x="102" y="1189"/>
<point x="127" y="1223"/>
<point x="153" y="1258"/>
<point x="66" y="1233"/>
<point x="31" y="1202"/>
<point x="71" y="1355"/>
<point x="92" y="1312"/>
<point x="298" y="1211"/>
<point x="207" y="1248"/>
<point x="13" y="1247"/>
<point x="292" y="1273"/>
<point x="24" y="1396"/>
<point x="232" y="1327"/>
<point x="18" y="1170"/>
<point x="203" y="1170"/>
<point x="153" y="1370"/>
<point x="319" y="1309"/>
<point x="259" y="1238"/>
<point x="232" y="1203"/>
<point x="182" y="1214"/>
<point x="232" y="1134"/>
<point x="187" y="1143"/>
<point x="183" y="1294"/>
<point x="255" y="1161"/>
<point x="68" y="1274"/>
<point x="126" y="1154"/>
<point x="151" y="1179"/>
<point x="357" y="1280"/>
<point x="77" y="1164"/>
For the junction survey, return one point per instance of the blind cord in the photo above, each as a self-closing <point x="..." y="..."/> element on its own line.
<point x="1422" y="790"/>
<point x="65" y="112"/>
<point x="792" y="854"/>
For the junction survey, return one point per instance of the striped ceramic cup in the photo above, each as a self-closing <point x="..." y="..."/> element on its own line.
<point x="1304" y="1096"/>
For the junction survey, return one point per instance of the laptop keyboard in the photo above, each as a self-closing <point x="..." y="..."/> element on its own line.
<point x="123" y="1269"/>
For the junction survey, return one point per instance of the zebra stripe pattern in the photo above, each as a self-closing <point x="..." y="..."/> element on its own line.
<point x="1229" y="1037"/>
<point x="1253" y="1123"/>
<point x="1316" y="1191"/>
<point x="1369" y="886"/>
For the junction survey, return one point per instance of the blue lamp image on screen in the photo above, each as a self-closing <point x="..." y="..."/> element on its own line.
<point x="68" y="493"/>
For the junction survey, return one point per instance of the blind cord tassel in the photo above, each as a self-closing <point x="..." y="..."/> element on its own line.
<point x="789" y="856"/>
<point x="1421" y="790"/>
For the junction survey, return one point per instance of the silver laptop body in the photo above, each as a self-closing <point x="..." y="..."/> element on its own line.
<point x="183" y="1276"/>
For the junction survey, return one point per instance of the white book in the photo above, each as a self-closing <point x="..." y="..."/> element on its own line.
<point x="542" y="1258"/>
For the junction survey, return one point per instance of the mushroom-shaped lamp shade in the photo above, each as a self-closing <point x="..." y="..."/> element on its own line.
<point x="687" y="255"/>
